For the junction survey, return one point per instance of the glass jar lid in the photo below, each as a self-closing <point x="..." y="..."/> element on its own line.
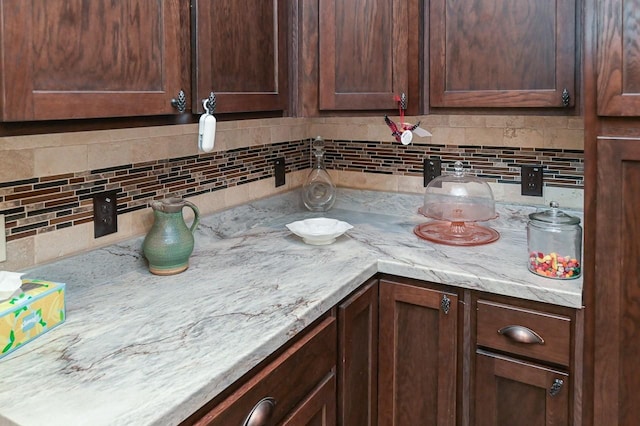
<point x="554" y="216"/>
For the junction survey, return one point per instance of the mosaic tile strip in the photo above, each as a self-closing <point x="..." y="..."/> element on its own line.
<point x="562" y="167"/>
<point x="39" y="205"/>
<point x="45" y="204"/>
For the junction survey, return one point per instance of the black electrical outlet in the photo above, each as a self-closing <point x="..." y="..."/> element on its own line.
<point x="279" y="171"/>
<point x="105" y="213"/>
<point x="432" y="168"/>
<point x="531" y="180"/>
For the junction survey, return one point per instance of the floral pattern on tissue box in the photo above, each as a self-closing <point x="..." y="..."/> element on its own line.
<point x="38" y="308"/>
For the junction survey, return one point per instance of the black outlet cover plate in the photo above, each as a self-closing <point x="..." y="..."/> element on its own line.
<point x="532" y="180"/>
<point x="279" y="171"/>
<point x="432" y="168"/>
<point x="105" y="213"/>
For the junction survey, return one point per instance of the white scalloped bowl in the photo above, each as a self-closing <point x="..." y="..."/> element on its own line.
<point x="319" y="231"/>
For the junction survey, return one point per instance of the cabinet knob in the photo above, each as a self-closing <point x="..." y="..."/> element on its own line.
<point x="566" y="97"/>
<point x="180" y="102"/>
<point x="521" y="334"/>
<point x="210" y="103"/>
<point x="261" y="412"/>
<point x="445" y="304"/>
<point x="555" y="387"/>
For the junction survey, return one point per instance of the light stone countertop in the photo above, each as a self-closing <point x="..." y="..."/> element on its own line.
<point x="149" y="350"/>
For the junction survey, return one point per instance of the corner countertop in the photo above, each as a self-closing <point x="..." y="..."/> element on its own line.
<point x="149" y="350"/>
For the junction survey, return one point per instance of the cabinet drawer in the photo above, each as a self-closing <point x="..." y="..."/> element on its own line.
<point x="288" y="380"/>
<point x="534" y="334"/>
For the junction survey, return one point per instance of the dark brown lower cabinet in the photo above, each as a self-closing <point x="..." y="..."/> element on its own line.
<point x="318" y="409"/>
<point x="404" y="352"/>
<point x="297" y="387"/>
<point x="513" y="392"/>
<point x="417" y="355"/>
<point x="358" y="357"/>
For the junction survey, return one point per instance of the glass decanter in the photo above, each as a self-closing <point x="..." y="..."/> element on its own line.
<point x="318" y="191"/>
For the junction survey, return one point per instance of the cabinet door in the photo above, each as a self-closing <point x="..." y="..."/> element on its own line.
<point x="358" y="357"/>
<point x="83" y="59"/>
<point x="502" y="53"/>
<point x="363" y="53"/>
<point x="418" y="352"/>
<point x="617" y="286"/>
<point x="319" y="409"/>
<point x="241" y="54"/>
<point x="512" y="392"/>
<point x="618" y="58"/>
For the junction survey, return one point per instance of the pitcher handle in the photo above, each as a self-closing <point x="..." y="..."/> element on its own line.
<point x="196" y="215"/>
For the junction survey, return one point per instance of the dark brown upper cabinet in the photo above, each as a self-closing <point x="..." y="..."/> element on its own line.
<point x="241" y="54"/>
<point x="68" y="59"/>
<point x="502" y="53"/>
<point x="618" y="58"/>
<point x="363" y="53"/>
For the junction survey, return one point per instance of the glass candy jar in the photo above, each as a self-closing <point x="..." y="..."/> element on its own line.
<point x="554" y="240"/>
<point x="318" y="191"/>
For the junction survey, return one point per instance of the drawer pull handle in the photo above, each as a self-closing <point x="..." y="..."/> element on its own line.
<point x="261" y="413"/>
<point x="521" y="334"/>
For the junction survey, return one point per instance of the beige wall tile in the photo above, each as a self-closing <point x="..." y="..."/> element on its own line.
<point x="59" y="160"/>
<point x="108" y="154"/>
<point x="131" y="134"/>
<point x="427" y="121"/>
<point x="411" y="184"/>
<point x="89" y="137"/>
<point x="182" y="145"/>
<point x="504" y="121"/>
<point x="484" y="136"/>
<point x="524" y="138"/>
<point x="467" y="121"/>
<point x="50" y="246"/>
<point x="20" y="255"/>
<point x="16" y="165"/>
<point x="564" y="138"/>
<point x="149" y="149"/>
<point x="448" y="136"/>
<point x="178" y="129"/>
<point x="575" y="123"/>
<point x="30" y="142"/>
<point x="358" y="180"/>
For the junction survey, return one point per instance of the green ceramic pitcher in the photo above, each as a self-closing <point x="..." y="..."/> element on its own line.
<point x="169" y="242"/>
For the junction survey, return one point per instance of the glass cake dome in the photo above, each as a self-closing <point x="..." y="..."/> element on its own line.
<point x="455" y="202"/>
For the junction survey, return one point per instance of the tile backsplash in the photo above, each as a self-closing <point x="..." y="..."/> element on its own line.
<point x="57" y="175"/>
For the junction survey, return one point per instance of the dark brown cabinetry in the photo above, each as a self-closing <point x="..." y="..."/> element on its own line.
<point x="417" y="355"/>
<point x="502" y="53"/>
<point x="616" y="311"/>
<point x="83" y="59"/>
<point x="241" y="54"/>
<point x="363" y="53"/>
<point x="358" y="357"/>
<point x="618" y="56"/>
<point x="612" y="218"/>
<point x="522" y="366"/>
<point x="510" y="391"/>
<point x="298" y="387"/>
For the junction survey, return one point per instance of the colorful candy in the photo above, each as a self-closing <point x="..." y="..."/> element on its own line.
<point x="554" y="266"/>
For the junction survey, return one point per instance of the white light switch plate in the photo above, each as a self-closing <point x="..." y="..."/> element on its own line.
<point x="3" y="240"/>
